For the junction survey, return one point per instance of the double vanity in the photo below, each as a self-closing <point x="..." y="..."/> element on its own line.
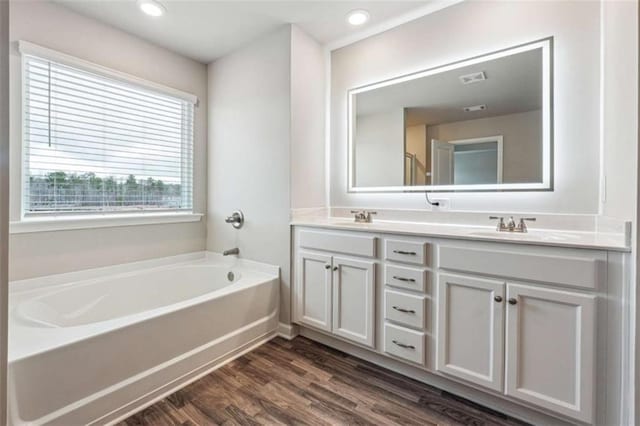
<point x="528" y="323"/>
<point x="533" y="323"/>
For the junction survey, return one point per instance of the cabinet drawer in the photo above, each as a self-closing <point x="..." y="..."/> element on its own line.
<point x="404" y="277"/>
<point x="404" y="308"/>
<point x="356" y="245"/>
<point x="406" y="251"/>
<point x="404" y="343"/>
<point x="569" y="267"/>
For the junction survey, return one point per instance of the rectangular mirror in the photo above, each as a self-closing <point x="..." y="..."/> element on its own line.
<point x="481" y="124"/>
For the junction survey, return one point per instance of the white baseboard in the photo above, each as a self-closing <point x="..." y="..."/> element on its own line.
<point x="287" y="331"/>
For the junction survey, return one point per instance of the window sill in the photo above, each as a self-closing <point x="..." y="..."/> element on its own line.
<point x="66" y="223"/>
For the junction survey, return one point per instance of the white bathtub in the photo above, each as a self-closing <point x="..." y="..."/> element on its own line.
<point x="90" y="347"/>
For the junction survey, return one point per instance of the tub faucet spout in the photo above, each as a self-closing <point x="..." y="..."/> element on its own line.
<point x="231" y="251"/>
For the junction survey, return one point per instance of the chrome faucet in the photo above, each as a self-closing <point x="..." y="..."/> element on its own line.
<point x="231" y="251"/>
<point x="363" y="216"/>
<point x="511" y="226"/>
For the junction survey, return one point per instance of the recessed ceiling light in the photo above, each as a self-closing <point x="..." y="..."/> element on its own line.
<point x="151" y="7"/>
<point x="358" y="17"/>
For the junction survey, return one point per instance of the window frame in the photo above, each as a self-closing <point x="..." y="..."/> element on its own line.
<point x="58" y="220"/>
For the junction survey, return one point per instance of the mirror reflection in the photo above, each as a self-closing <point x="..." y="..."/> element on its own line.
<point x="476" y="124"/>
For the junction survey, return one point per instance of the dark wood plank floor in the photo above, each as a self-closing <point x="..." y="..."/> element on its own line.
<point x="303" y="382"/>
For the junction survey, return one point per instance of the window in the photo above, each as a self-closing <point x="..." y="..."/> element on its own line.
<point x="96" y="143"/>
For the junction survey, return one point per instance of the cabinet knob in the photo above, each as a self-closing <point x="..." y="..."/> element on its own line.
<point x="327" y="266"/>
<point x="498" y="299"/>
<point x="335" y="268"/>
<point x="513" y="301"/>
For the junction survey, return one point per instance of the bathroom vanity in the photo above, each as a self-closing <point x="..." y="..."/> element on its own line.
<point x="528" y="324"/>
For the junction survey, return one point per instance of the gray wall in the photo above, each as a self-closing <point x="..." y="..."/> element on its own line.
<point x="620" y="108"/>
<point x="308" y="111"/>
<point x="58" y="28"/>
<point x="379" y="149"/>
<point x="469" y="29"/>
<point x="249" y="152"/>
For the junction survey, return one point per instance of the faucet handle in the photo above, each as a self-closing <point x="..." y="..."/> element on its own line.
<point x="368" y="217"/>
<point x="522" y="226"/>
<point x="236" y="219"/>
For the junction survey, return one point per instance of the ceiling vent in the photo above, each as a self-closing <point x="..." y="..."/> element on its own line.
<point x="475" y="108"/>
<point x="473" y="78"/>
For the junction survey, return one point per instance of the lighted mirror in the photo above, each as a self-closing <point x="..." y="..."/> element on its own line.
<point x="480" y="124"/>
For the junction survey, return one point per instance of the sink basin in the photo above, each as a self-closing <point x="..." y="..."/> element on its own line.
<point x="524" y="236"/>
<point x="497" y="234"/>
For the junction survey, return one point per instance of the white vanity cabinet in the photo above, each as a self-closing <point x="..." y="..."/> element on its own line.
<point x="353" y="299"/>
<point x="336" y="293"/>
<point x="541" y="339"/>
<point x="470" y="334"/>
<point x="527" y="325"/>
<point x="540" y="334"/>
<point x="550" y="349"/>
<point x="313" y="290"/>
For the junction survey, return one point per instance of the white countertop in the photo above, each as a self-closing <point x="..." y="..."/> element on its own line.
<point x="543" y="237"/>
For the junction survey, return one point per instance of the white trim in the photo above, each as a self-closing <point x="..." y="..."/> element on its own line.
<point x="66" y="222"/>
<point x="498" y="139"/>
<point x="391" y="23"/>
<point x="31" y="49"/>
<point x="287" y="331"/>
<point x="547" y="158"/>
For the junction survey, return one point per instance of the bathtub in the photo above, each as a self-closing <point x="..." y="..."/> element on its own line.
<point x="92" y="347"/>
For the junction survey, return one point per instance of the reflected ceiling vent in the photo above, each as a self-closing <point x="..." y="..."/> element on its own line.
<point x="475" y="108"/>
<point x="473" y="77"/>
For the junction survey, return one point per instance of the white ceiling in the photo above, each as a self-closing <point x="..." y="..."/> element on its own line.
<point x="513" y="84"/>
<point x="208" y="29"/>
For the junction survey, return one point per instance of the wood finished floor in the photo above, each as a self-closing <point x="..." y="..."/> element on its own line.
<point x="305" y="383"/>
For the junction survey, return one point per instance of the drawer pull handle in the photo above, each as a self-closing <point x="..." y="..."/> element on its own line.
<point x="406" y="311"/>
<point x="402" y="345"/>
<point x="410" y="253"/>
<point x="408" y="280"/>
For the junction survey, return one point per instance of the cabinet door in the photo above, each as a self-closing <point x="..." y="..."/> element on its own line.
<point x="550" y="349"/>
<point x="313" y="290"/>
<point x="470" y="336"/>
<point x="353" y="300"/>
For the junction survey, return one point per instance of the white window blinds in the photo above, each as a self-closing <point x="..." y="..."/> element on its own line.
<point x="94" y="143"/>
